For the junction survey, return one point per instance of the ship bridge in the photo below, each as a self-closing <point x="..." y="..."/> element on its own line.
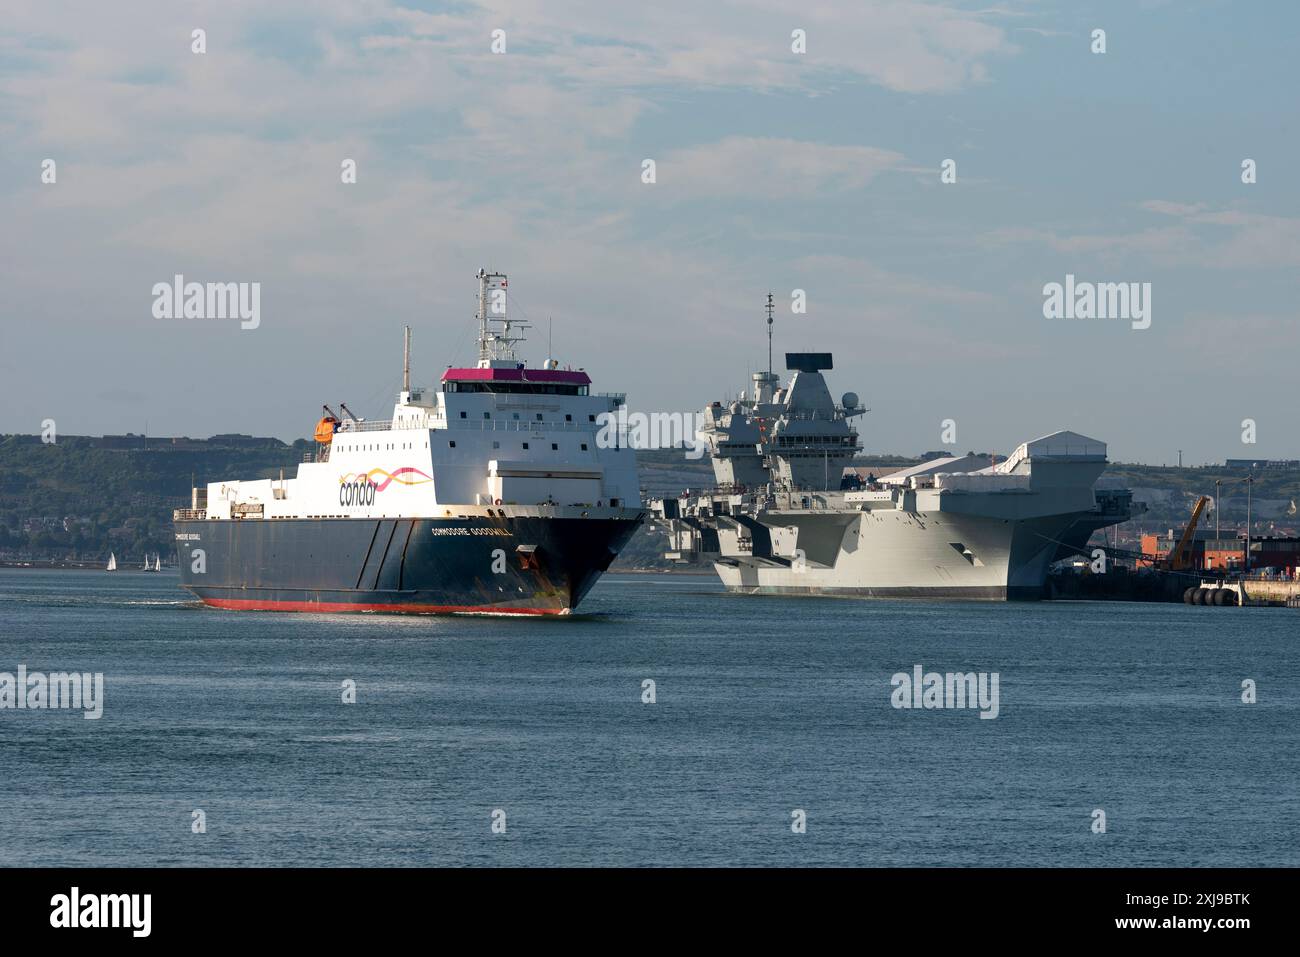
<point x="810" y="441"/>
<point x="518" y="380"/>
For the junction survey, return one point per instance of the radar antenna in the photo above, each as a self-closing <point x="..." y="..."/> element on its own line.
<point x="495" y="344"/>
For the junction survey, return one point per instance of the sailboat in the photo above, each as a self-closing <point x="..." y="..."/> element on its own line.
<point x="151" y="568"/>
<point x="157" y="561"/>
<point x="112" y="563"/>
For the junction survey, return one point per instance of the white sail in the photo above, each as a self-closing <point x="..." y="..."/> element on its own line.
<point x="112" y="562"/>
<point x="157" y="562"/>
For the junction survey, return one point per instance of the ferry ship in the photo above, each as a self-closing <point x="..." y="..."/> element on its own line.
<point x="489" y="495"/>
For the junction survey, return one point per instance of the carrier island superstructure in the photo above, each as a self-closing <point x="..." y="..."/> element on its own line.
<point x="789" y="517"/>
<point x="487" y="495"/>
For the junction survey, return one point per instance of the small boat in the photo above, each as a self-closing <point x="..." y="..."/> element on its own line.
<point x="148" y="567"/>
<point x="157" y="561"/>
<point x="112" y="563"/>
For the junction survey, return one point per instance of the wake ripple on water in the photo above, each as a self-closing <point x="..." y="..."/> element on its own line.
<point x="74" y="601"/>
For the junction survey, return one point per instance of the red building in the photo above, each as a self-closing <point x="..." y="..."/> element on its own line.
<point x="1228" y="553"/>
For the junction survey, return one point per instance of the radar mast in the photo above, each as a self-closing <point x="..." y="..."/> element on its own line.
<point x="765" y="382"/>
<point x="496" y="344"/>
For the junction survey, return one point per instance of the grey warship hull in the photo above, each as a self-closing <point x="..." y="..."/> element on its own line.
<point x="954" y="527"/>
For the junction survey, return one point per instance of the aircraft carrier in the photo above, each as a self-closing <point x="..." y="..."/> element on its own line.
<point x="789" y="514"/>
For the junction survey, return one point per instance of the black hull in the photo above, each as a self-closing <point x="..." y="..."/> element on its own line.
<point x="520" y="565"/>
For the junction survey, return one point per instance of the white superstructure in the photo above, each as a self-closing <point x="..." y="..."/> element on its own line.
<point x="498" y="438"/>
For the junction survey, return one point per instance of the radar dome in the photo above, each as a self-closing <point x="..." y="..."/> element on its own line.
<point x="849" y="400"/>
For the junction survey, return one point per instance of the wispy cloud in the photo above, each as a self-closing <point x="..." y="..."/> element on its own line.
<point x="772" y="168"/>
<point x="1204" y="237"/>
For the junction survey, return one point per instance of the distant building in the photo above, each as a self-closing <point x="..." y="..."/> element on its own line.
<point x="1228" y="553"/>
<point x="133" y="442"/>
<point x="1261" y="464"/>
<point x="234" y="440"/>
<point x="182" y="443"/>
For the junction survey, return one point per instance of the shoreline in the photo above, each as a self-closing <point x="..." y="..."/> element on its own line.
<point x="73" y="566"/>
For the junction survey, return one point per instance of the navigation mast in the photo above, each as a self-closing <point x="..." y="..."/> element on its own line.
<point x="496" y="344"/>
<point x="770" y="308"/>
<point x="406" y="359"/>
<point x="765" y="382"/>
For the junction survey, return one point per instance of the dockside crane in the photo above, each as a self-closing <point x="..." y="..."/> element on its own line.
<point x="1180" y="556"/>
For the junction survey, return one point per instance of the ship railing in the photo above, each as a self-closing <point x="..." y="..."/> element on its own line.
<point x="485" y="425"/>
<point x="526" y="425"/>
<point x="377" y="425"/>
<point x="796" y="500"/>
<point x="500" y="425"/>
<point x="189" y="514"/>
<point x="489" y="425"/>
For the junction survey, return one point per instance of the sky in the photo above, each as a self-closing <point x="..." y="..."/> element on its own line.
<point x="774" y="170"/>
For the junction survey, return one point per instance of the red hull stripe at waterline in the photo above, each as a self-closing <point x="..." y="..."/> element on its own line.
<point x="258" y="604"/>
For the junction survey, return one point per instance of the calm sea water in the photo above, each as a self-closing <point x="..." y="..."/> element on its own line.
<point x="764" y="705"/>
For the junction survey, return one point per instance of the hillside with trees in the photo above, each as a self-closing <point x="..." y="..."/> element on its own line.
<point x="76" y="500"/>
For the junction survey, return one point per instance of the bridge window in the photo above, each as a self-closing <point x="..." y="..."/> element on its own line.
<point x="517" y="388"/>
<point x="462" y="415"/>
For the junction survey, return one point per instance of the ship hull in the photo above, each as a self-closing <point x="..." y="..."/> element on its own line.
<point x="896" y="554"/>
<point x="476" y="565"/>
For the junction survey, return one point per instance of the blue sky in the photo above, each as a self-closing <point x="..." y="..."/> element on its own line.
<point x="774" y="171"/>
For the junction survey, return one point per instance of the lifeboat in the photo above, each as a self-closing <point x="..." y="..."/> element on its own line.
<point x="325" y="429"/>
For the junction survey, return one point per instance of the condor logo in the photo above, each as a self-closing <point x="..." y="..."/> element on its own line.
<point x="360" y="488"/>
<point x="357" y="492"/>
